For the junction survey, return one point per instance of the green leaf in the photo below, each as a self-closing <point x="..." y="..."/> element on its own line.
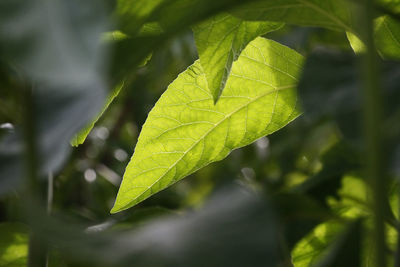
<point x="386" y="35"/>
<point x="392" y="5"/>
<point x="219" y="42"/>
<point x="131" y="15"/>
<point x="346" y="250"/>
<point x="13" y="245"/>
<point x="185" y="131"/>
<point x="80" y="137"/>
<point x="356" y="44"/>
<point x="309" y="249"/>
<point x="331" y="14"/>
<point x="331" y="243"/>
<point x="70" y="87"/>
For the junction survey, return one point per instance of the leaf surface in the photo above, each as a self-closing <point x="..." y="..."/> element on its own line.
<point x="68" y="87"/>
<point x="185" y="131"/>
<point x="131" y="15"/>
<point x="13" y="244"/>
<point x="332" y="14"/>
<point x="387" y="36"/>
<point x="219" y="42"/>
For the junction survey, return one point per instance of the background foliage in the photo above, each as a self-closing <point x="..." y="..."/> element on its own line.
<point x="88" y="73"/>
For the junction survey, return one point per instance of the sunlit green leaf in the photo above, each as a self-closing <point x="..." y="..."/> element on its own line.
<point x="13" y="245"/>
<point x="356" y="44"/>
<point x="219" y="42"/>
<point x="185" y="131"/>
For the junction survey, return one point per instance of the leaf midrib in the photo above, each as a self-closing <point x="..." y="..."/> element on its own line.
<point x="206" y="134"/>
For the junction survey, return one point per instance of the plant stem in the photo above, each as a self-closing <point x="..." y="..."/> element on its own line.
<point x="37" y="250"/>
<point x="397" y="252"/>
<point x="50" y="192"/>
<point x="372" y="107"/>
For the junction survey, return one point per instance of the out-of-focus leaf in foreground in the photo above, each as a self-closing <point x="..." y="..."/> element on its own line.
<point x="13" y="245"/>
<point x="243" y="226"/>
<point x="58" y="57"/>
<point x="219" y="42"/>
<point x="185" y="131"/>
<point x="243" y="229"/>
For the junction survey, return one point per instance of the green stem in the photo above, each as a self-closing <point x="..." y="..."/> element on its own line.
<point x="397" y="252"/>
<point x="372" y="106"/>
<point x="50" y="192"/>
<point x="37" y="250"/>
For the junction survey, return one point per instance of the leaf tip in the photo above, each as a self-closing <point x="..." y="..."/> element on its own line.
<point x="217" y="94"/>
<point x="118" y="206"/>
<point x="74" y="142"/>
<point x="114" y="210"/>
<point x="215" y="99"/>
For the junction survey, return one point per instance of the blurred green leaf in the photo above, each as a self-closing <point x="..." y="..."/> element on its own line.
<point x="331" y="14"/>
<point x="330" y="244"/>
<point x="387" y="36"/>
<point x="346" y="251"/>
<point x="336" y="162"/>
<point x="393" y="5"/>
<point x="356" y="44"/>
<point x="309" y="249"/>
<point x="80" y="137"/>
<point x="164" y="19"/>
<point x="352" y="201"/>
<point x="298" y="215"/>
<point x="243" y="226"/>
<point x="13" y="245"/>
<point x="185" y="131"/>
<point x="335" y="15"/>
<point x="57" y="56"/>
<point x="131" y="15"/>
<point x="219" y="42"/>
